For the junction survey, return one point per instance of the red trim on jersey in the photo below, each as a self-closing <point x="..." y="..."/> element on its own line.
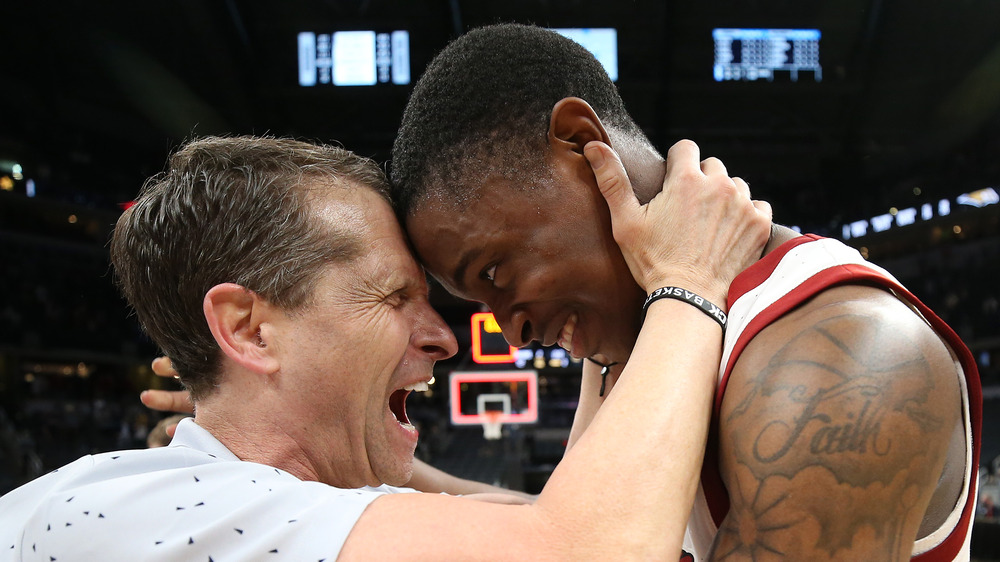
<point x="952" y="545"/>
<point x="715" y="490"/>
<point x="712" y="483"/>
<point x="757" y="273"/>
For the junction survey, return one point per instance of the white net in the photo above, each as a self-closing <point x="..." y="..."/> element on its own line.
<point x="492" y="427"/>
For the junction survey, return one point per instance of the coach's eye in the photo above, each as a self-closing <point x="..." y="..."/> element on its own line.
<point x="397" y="298"/>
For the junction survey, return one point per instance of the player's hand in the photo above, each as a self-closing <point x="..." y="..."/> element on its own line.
<point x="167" y="400"/>
<point x="698" y="233"/>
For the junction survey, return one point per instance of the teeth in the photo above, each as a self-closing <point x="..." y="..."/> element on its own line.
<point x="418" y="387"/>
<point x="566" y="336"/>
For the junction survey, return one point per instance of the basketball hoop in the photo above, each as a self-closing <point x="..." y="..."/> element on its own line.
<point x="492" y="426"/>
<point x="493" y="399"/>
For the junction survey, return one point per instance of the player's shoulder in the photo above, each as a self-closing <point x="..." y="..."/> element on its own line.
<point x="843" y="321"/>
<point x="849" y="399"/>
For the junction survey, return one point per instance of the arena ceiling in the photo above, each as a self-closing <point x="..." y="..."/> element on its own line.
<point x="97" y="93"/>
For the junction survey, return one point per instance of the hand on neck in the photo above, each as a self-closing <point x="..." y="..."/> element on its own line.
<point x="645" y="166"/>
<point x="647" y="169"/>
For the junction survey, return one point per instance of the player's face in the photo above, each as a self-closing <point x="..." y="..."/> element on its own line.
<point x="367" y="335"/>
<point x="543" y="260"/>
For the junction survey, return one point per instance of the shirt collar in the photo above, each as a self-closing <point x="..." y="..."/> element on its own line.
<point x="191" y="435"/>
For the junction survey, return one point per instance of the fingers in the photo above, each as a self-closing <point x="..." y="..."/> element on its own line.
<point x="163" y="367"/>
<point x="170" y="429"/>
<point x="743" y="186"/>
<point x="764" y="208"/>
<point x="713" y="166"/>
<point x="167" y="400"/>
<point x="611" y="180"/>
<point x="683" y="156"/>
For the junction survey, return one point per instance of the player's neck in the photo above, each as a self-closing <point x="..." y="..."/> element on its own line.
<point x="645" y="167"/>
<point x="779" y="235"/>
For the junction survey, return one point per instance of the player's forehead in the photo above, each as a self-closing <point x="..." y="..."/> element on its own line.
<point x="460" y="241"/>
<point x="448" y="239"/>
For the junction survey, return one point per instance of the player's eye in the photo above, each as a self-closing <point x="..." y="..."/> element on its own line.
<point x="490" y="273"/>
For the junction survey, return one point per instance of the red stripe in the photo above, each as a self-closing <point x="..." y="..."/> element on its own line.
<point x="712" y="483"/>
<point x="757" y="273"/>
<point x="952" y="545"/>
<point x="715" y="491"/>
<point x="751" y="278"/>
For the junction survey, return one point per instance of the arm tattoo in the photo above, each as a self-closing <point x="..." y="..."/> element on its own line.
<point x="831" y="437"/>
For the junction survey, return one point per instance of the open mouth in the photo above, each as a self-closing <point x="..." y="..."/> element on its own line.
<point x="397" y="402"/>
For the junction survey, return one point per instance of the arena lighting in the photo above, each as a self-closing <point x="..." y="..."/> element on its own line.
<point x="897" y="218"/>
<point x="354" y="58"/>
<point x="926" y="211"/>
<point x="881" y="223"/>
<point x="906" y="217"/>
<point x="488" y="343"/>
<point x="754" y="54"/>
<point x="979" y="198"/>
<point x="81" y="369"/>
<point x="944" y="208"/>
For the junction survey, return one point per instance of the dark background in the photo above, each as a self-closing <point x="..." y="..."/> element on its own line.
<point x="94" y="96"/>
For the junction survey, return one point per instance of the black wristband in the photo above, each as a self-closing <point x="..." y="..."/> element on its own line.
<point x="688" y="297"/>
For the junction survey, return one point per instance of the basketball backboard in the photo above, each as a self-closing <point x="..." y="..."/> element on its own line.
<point x="477" y="396"/>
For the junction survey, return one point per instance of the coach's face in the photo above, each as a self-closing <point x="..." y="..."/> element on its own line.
<point x="543" y="259"/>
<point x="366" y="338"/>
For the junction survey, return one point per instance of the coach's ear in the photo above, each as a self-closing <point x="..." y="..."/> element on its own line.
<point x="238" y="319"/>
<point x="572" y="125"/>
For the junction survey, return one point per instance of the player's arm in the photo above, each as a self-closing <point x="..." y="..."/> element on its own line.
<point x="166" y="400"/>
<point x="426" y="478"/>
<point x="590" y="398"/>
<point x="834" y="430"/>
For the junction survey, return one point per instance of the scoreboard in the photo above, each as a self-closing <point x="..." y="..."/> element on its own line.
<point x="764" y="54"/>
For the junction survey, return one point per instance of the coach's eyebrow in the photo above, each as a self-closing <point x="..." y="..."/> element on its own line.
<point x="458" y="275"/>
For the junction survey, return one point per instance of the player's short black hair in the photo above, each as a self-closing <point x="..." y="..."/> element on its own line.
<point x="485" y="102"/>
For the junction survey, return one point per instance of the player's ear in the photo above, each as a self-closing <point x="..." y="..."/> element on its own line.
<point x="572" y="124"/>
<point x="240" y="322"/>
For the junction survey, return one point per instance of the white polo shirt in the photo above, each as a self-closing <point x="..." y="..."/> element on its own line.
<point x="193" y="500"/>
